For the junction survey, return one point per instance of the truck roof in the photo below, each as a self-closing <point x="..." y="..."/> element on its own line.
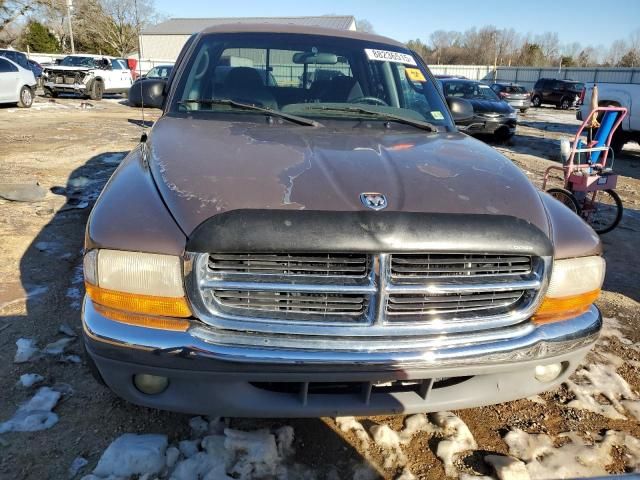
<point x="299" y="29"/>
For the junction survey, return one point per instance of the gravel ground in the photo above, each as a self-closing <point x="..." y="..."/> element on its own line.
<point x="71" y="147"/>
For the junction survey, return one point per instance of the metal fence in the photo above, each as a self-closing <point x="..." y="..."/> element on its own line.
<point x="527" y="76"/>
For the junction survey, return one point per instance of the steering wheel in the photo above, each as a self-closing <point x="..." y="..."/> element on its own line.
<point x="370" y="101"/>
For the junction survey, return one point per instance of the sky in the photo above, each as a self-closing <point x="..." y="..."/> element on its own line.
<point x="589" y="22"/>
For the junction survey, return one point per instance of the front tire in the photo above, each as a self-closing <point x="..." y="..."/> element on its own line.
<point x="536" y="101"/>
<point x="606" y="211"/>
<point x="26" y="97"/>
<point x="618" y="141"/>
<point x="96" y="90"/>
<point x="566" y="198"/>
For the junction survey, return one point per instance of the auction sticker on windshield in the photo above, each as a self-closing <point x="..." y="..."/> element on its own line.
<point x="389" y="56"/>
<point x="415" y="75"/>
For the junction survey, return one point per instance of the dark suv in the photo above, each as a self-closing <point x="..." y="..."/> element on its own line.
<point x="563" y="94"/>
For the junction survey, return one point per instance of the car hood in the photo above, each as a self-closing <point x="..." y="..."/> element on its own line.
<point x="497" y="106"/>
<point x="61" y="68"/>
<point x="204" y="167"/>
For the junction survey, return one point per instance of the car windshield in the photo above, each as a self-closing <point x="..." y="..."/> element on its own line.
<point x="313" y="76"/>
<point x="159" y="72"/>
<point x="469" y="90"/>
<point x="79" y="62"/>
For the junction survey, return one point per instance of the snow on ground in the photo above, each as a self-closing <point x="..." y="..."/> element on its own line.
<point x="215" y="453"/>
<point x="27" y="350"/>
<point x="30" y="379"/>
<point x="35" y="414"/>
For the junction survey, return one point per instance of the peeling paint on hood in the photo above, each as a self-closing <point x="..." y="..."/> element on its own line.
<point x="208" y="166"/>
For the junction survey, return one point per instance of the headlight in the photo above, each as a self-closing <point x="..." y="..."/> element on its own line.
<point x="139" y="283"/>
<point x="574" y="285"/>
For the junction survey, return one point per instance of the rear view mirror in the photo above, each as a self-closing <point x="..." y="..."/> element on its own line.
<point x="318" y="58"/>
<point x="461" y="109"/>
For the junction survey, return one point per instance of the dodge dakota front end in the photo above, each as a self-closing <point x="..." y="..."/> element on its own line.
<point x="327" y="247"/>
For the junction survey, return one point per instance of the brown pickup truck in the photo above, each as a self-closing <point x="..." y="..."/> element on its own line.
<point x="305" y="232"/>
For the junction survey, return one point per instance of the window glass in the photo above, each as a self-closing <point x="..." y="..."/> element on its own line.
<point x="117" y="64"/>
<point x="89" y="62"/>
<point x="469" y="90"/>
<point x="299" y="74"/>
<point x="6" y="66"/>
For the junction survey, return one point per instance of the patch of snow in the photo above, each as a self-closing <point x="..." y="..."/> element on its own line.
<point x="67" y="330"/>
<point x="350" y="423"/>
<point x="457" y="439"/>
<point x="79" y="182"/>
<point x="199" y="427"/>
<point x="198" y="467"/>
<point x="57" y="347"/>
<point x="70" y="359"/>
<point x="112" y="158"/>
<point x="575" y="458"/>
<point x="188" y="448"/>
<point x="253" y="454"/>
<point x="414" y="424"/>
<point x="171" y="456"/>
<point x="49" y="247"/>
<point x="27" y="350"/>
<point x="284" y="440"/>
<point x="537" y="399"/>
<point x="216" y="426"/>
<point x="507" y="468"/>
<point x="29" y="379"/>
<point x="132" y="454"/>
<point x="601" y="381"/>
<point x="34" y="415"/>
<point x="78" y="464"/>
<point x="389" y="441"/>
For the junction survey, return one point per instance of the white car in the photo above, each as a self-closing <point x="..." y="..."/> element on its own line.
<point x="87" y="75"/>
<point x="17" y="84"/>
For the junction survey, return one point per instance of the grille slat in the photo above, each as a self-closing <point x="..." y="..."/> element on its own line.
<point x="287" y="265"/>
<point x="408" y="267"/>
<point x="293" y="302"/>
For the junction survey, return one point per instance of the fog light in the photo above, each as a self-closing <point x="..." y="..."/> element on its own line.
<point x="548" y="373"/>
<point x="150" y="384"/>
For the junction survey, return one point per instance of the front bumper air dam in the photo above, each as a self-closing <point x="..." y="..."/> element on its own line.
<point x="208" y="378"/>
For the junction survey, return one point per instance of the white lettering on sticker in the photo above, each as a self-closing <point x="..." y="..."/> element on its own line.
<point x="388" y="56"/>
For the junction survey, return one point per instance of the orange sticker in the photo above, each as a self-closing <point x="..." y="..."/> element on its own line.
<point x="415" y="75"/>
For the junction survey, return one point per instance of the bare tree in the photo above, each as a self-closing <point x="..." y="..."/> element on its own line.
<point x="364" y="25"/>
<point x="120" y="22"/>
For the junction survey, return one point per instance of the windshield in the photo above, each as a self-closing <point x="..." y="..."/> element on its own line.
<point x="308" y="75"/>
<point x="79" y="62"/>
<point x="469" y="90"/>
<point x="160" y="72"/>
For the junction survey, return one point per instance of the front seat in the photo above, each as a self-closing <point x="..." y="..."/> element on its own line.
<point x="244" y="84"/>
<point x="341" y="89"/>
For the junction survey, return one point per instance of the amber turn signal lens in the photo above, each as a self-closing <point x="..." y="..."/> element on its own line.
<point x="176" y="324"/>
<point x="137" y="303"/>
<point x="557" y="309"/>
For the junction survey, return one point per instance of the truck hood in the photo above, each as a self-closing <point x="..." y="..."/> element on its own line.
<point x="204" y="167"/>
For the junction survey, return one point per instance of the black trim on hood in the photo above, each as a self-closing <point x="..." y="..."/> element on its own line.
<point x="245" y="231"/>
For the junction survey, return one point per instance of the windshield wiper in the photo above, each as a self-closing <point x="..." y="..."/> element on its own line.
<point x="381" y="115"/>
<point x="245" y="106"/>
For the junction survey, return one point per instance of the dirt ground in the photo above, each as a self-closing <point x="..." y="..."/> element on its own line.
<point x="71" y="147"/>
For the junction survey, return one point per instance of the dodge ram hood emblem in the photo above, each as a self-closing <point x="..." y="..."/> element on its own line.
<point x="374" y="201"/>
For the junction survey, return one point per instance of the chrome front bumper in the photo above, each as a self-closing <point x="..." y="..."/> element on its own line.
<point x="524" y="342"/>
<point x="213" y="378"/>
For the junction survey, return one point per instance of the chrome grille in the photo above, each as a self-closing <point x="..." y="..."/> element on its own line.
<point x="289" y="265"/>
<point x="460" y="304"/>
<point x="430" y="265"/>
<point x="322" y="294"/>
<point x="297" y="303"/>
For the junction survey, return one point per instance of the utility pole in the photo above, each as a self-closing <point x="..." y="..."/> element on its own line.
<point x="69" y="9"/>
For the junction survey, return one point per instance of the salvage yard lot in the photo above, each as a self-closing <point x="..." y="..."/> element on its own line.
<point x="70" y="147"/>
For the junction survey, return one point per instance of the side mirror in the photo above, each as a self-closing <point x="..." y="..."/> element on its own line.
<point x="148" y="92"/>
<point x="461" y="109"/>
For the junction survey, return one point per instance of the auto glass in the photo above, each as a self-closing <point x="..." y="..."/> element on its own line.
<point x="78" y="62"/>
<point x="293" y="73"/>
